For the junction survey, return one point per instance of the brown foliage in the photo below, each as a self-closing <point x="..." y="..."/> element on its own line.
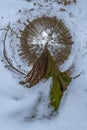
<point x="33" y="32"/>
<point x="39" y="69"/>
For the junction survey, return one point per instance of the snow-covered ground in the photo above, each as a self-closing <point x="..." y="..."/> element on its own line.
<point x="18" y="103"/>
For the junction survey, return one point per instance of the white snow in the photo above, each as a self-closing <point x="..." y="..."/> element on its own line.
<point x="18" y="103"/>
<point x="42" y="40"/>
<point x="44" y="37"/>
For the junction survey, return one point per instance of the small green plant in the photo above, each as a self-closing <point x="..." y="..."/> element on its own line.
<point x="60" y="82"/>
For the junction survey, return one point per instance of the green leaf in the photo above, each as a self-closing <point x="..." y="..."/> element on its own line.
<point x="60" y="81"/>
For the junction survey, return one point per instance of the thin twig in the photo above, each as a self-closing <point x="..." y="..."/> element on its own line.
<point x="76" y="76"/>
<point x="5" y="54"/>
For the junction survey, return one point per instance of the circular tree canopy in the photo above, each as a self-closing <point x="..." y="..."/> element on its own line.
<point x="42" y="31"/>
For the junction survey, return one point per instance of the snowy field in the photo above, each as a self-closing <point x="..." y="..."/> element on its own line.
<point x="17" y="103"/>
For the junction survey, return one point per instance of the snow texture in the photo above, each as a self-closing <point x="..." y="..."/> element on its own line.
<point x="18" y="103"/>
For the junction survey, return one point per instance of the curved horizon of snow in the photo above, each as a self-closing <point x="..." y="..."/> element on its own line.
<point x="16" y="101"/>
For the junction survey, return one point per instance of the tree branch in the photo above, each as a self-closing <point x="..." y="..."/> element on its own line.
<point x="6" y="57"/>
